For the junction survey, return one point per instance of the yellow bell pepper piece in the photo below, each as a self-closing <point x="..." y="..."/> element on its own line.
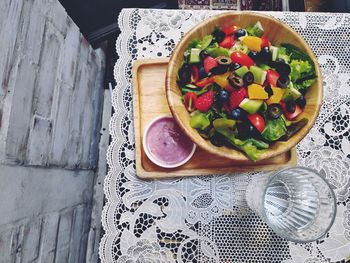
<point x="277" y="95"/>
<point x="256" y="91"/>
<point x="253" y="43"/>
<point x="222" y="80"/>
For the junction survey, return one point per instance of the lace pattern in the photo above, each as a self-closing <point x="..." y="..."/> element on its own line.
<point x="205" y="219"/>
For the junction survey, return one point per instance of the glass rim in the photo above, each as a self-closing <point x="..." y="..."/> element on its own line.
<point x="331" y="191"/>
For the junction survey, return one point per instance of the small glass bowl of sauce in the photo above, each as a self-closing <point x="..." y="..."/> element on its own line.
<point x="165" y="144"/>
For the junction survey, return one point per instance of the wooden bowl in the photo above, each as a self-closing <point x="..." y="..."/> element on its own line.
<point x="277" y="32"/>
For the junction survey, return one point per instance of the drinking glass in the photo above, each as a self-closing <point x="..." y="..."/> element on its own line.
<point x="297" y="203"/>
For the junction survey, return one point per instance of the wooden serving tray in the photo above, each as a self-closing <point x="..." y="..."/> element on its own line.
<point x="149" y="101"/>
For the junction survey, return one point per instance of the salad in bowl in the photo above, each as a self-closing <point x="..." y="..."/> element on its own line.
<point x="244" y="91"/>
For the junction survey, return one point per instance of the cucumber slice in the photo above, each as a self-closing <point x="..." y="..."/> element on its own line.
<point x="258" y="28"/>
<point x="194" y="56"/>
<point x="259" y="74"/>
<point x="291" y="94"/>
<point x="251" y="106"/>
<point x="274" y="52"/>
<point x="242" y="71"/>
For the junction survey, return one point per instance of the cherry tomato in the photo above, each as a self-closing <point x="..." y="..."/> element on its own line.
<point x="264" y="42"/>
<point x="230" y="30"/>
<point x="228" y="42"/>
<point x="258" y="121"/>
<point x="242" y="59"/>
<point x="272" y="77"/>
<point x="194" y="73"/>
<point x="189" y="101"/>
<point x="203" y="82"/>
<point x="291" y="116"/>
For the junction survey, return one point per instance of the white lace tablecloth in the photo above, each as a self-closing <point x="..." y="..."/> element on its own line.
<point x="205" y="219"/>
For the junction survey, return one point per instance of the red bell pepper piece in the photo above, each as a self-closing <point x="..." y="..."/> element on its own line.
<point x="189" y="101"/>
<point x="203" y="82"/>
<point x="228" y="42"/>
<point x="272" y="76"/>
<point x="194" y="73"/>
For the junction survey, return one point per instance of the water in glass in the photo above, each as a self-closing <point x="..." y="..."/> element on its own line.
<point x="296" y="203"/>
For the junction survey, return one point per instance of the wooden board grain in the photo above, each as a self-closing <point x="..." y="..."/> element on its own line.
<point x="149" y="102"/>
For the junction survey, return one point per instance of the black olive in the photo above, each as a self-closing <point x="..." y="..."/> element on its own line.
<point x="235" y="80"/>
<point x="240" y="33"/>
<point x="301" y="101"/>
<point x="234" y="66"/>
<point x="203" y="54"/>
<point x="217" y="139"/>
<point x="274" y="111"/>
<point x="254" y="55"/>
<point x="268" y="90"/>
<point x="185" y="74"/>
<point x="265" y="55"/>
<point x="220" y="69"/>
<point x="248" y="78"/>
<point x="282" y="68"/>
<point x="218" y="35"/>
<point x="238" y="114"/>
<point x="283" y="82"/>
<point x="290" y="106"/>
<point x="294" y="128"/>
<point x="222" y="60"/>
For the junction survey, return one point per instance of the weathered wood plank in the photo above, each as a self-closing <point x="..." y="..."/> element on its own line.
<point x="10" y="22"/>
<point x="47" y="79"/>
<point x="39" y="138"/>
<point x="31" y="240"/>
<point x="77" y="231"/>
<point x="6" y="240"/>
<point x="84" y="238"/>
<point x="31" y="86"/>
<point x="64" y="236"/>
<point x="20" y="115"/>
<point x="62" y="100"/>
<point x="21" y="81"/>
<point x="74" y="150"/>
<point x="87" y="127"/>
<point x="48" y="238"/>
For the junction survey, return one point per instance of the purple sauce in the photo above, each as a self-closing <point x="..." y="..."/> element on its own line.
<point x="166" y="143"/>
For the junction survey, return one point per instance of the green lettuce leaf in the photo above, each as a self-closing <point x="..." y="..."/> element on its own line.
<point x="274" y="129"/>
<point x="302" y="74"/>
<point x="251" y="147"/>
<point x="299" y="68"/>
